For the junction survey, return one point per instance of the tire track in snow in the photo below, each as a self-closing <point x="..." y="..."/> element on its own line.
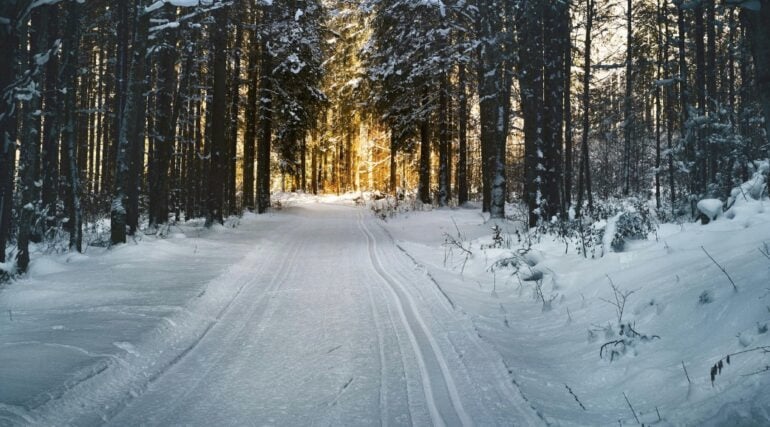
<point x="444" y="403"/>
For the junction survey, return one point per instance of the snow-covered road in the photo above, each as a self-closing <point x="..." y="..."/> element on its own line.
<point x="333" y="326"/>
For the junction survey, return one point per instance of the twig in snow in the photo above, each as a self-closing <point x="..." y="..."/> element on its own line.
<point x="764" y="348"/>
<point x="632" y="408"/>
<point x="721" y="268"/>
<point x="575" y="396"/>
<point x="765" y="251"/>
<point x="685" y="373"/>
<point x="620" y="299"/>
<point x="761" y="371"/>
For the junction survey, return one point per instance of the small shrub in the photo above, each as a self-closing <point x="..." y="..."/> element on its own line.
<point x="635" y="223"/>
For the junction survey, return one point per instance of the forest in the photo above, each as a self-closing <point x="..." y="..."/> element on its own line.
<point x="139" y="113"/>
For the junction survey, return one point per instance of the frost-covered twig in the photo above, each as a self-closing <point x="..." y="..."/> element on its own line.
<point x="765" y="251"/>
<point x="632" y="408"/>
<point x="761" y="371"/>
<point x="685" y="373"/>
<point x="575" y="396"/>
<point x="451" y="240"/>
<point x="721" y="268"/>
<point x="620" y="299"/>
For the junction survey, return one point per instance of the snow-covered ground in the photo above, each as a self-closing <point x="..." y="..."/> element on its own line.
<point x="322" y="313"/>
<point x="680" y="295"/>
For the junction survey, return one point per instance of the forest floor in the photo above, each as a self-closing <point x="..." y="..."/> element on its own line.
<point x="321" y="313"/>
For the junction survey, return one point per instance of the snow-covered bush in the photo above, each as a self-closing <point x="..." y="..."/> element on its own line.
<point x="636" y="222"/>
<point x="710" y="210"/>
<point x="620" y="220"/>
<point x="755" y="188"/>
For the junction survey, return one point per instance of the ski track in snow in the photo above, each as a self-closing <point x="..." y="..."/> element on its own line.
<point x="429" y="356"/>
<point x="331" y="324"/>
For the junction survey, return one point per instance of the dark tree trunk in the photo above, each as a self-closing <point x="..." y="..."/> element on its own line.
<point x="556" y="17"/>
<point x="9" y="44"/>
<point x="393" y="166"/>
<point x="29" y="167"/>
<point x="265" y="122"/>
<point x="52" y="129"/>
<point x="131" y="116"/>
<point x="232" y="137"/>
<point x="568" y="140"/>
<point x="462" y="159"/>
<point x="251" y="120"/>
<point x="443" y="142"/>
<point x="684" y="89"/>
<point x="425" y="151"/>
<point x="712" y="97"/>
<point x="700" y="87"/>
<point x="217" y="148"/>
<point x="628" y="124"/>
<point x="584" y="175"/>
<point x="670" y="101"/>
<point x="758" y="33"/>
<point x="303" y="164"/>
<point x="532" y="64"/>
<point x="167" y="112"/>
<point x="659" y="74"/>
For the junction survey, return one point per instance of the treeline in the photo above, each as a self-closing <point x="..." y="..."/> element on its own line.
<point x="679" y="112"/>
<point x="173" y="109"/>
<point x="144" y="107"/>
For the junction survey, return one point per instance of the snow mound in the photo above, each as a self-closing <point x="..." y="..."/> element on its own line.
<point x="711" y="208"/>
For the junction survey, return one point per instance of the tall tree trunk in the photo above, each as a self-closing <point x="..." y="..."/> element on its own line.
<point x="712" y="98"/>
<point x="531" y="75"/>
<point x="232" y="138"/>
<point x="659" y="74"/>
<point x="251" y="120"/>
<point x="425" y="151"/>
<point x="556" y="16"/>
<point x="9" y="44"/>
<point x="443" y="141"/>
<point x="29" y="168"/>
<point x="131" y="116"/>
<point x="628" y="123"/>
<point x="265" y="121"/>
<point x="167" y="111"/>
<point x="462" y="159"/>
<point x="52" y="130"/>
<point x="393" y="166"/>
<point x="218" y="148"/>
<point x="700" y="158"/>
<point x="758" y="34"/>
<point x="568" y="139"/>
<point x="584" y="175"/>
<point x="670" y="102"/>
<point x="68" y="81"/>
<point x="684" y="90"/>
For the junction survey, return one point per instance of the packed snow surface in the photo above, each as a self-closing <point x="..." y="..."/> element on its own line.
<point x="322" y="313"/>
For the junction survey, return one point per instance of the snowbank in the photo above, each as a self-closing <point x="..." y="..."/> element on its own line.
<point x="680" y="313"/>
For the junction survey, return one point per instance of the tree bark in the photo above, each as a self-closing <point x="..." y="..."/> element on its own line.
<point x="758" y="33"/>
<point x="218" y="148"/>
<point x="265" y="122"/>
<point x="167" y="111"/>
<point x="584" y="175"/>
<point x="131" y="115"/>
